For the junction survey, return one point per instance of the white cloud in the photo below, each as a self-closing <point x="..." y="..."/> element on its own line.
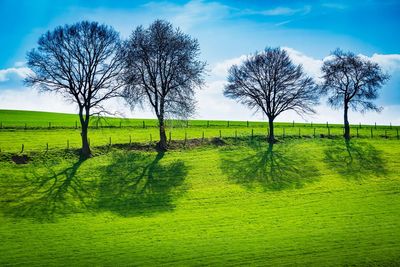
<point x="21" y="72"/>
<point x="220" y="69"/>
<point x="285" y="11"/>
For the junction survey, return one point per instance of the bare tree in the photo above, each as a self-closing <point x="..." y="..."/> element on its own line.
<point x="81" y="61"/>
<point x="351" y="81"/>
<point x="270" y="82"/>
<point x="162" y="70"/>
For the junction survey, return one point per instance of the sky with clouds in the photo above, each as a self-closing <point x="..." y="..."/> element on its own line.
<point x="227" y="31"/>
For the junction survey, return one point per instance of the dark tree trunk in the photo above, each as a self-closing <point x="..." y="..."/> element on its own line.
<point x="346" y="122"/>
<point x="162" y="144"/>
<point x="85" y="151"/>
<point x="271" y="136"/>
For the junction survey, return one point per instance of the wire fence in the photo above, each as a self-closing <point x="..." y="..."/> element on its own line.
<point x="281" y="132"/>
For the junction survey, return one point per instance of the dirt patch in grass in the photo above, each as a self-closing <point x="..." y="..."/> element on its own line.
<point x="20" y="159"/>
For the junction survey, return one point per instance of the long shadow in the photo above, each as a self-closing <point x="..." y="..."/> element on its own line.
<point x="275" y="167"/>
<point x="47" y="192"/>
<point x="355" y="160"/>
<point x="140" y="184"/>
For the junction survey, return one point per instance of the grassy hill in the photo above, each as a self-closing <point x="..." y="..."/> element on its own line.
<point x="304" y="201"/>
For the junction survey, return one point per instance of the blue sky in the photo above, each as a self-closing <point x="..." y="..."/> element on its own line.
<point x="226" y="30"/>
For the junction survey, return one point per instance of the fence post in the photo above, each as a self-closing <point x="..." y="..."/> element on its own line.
<point x="120" y="124"/>
<point x="247" y="123"/>
<point x="293" y="124"/>
<point x="220" y="135"/>
<point x="299" y="133"/>
<point x="49" y="125"/>
<point x="311" y="124"/>
<point x="208" y="124"/>
<point x="372" y="135"/>
<point x="252" y="133"/>
<point x="22" y="148"/>
<point x="47" y="147"/>
<point x="228" y="123"/>
<point x="110" y="141"/>
<point x="327" y="125"/>
<point x="144" y="125"/>
<point x="76" y="125"/>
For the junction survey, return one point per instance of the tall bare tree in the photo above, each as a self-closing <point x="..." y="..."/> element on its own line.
<point x="351" y="81"/>
<point x="162" y="70"/>
<point x="82" y="62"/>
<point x="270" y="82"/>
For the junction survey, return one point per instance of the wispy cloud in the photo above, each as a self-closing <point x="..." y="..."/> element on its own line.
<point x="286" y="11"/>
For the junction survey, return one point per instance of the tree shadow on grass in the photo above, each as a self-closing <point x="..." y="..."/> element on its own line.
<point x="272" y="167"/>
<point x="47" y="192"/>
<point x="140" y="184"/>
<point x="355" y="160"/>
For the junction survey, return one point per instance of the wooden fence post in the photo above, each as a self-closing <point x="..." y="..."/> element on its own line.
<point x="327" y="125"/>
<point x="228" y="123"/>
<point x="76" y="125"/>
<point x="299" y="133"/>
<point x="220" y="135"/>
<point x="293" y="124"/>
<point x="144" y="125"/>
<point x="247" y="123"/>
<point x="208" y="124"/>
<point x="109" y="141"/>
<point x="22" y="148"/>
<point x="47" y="147"/>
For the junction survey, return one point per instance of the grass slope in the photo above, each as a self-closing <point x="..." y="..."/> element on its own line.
<point x="62" y="131"/>
<point x="307" y="202"/>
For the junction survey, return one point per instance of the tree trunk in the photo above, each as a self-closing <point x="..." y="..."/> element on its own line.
<point x="162" y="144"/>
<point x="85" y="151"/>
<point x="346" y="122"/>
<point x="271" y="136"/>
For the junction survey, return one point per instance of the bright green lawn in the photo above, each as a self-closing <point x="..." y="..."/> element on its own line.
<point x="305" y="202"/>
<point x="13" y="134"/>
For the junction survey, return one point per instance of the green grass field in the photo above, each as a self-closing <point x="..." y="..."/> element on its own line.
<point x="308" y="202"/>
<point x="62" y="133"/>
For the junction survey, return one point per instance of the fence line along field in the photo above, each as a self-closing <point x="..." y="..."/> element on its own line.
<point x="44" y="130"/>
